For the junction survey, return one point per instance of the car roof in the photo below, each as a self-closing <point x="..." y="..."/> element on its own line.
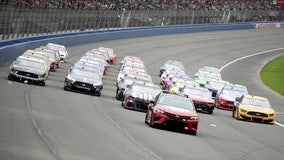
<point x="254" y="97"/>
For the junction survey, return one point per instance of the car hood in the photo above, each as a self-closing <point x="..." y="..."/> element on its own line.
<point x="143" y="96"/>
<point x="211" y="88"/>
<point x="256" y="108"/>
<point x="176" y="111"/>
<point x="228" y="97"/>
<point x="84" y="79"/>
<point x="201" y="99"/>
<point x="29" y="69"/>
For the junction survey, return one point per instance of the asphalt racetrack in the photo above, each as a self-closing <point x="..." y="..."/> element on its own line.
<point x="48" y="123"/>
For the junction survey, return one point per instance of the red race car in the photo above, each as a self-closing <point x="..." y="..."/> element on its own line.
<point x="172" y="110"/>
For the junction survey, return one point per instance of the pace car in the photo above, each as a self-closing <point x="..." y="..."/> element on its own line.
<point x="174" y="111"/>
<point x="253" y="108"/>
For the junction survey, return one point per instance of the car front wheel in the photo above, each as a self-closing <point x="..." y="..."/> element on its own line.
<point x="151" y="123"/>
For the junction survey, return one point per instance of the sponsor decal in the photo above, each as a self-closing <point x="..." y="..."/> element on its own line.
<point x="267" y="25"/>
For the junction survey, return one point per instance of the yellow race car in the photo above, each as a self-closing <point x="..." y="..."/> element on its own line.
<point x="180" y="83"/>
<point x="253" y="108"/>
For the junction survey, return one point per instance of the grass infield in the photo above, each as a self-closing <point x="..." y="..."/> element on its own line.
<point x="272" y="74"/>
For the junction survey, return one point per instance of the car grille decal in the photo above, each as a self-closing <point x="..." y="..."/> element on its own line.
<point x="259" y="114"/>
<point x="27" y="74"/>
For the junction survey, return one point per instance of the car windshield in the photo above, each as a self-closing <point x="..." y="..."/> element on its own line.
<point x="153" y="90"/>
<point x="56" y="47"/>
<point x="204" y="78"/>
<point x="141" y="77"/>
<point x="217" y="84"/>
<point x="236" y="93"/>
<point x="30" y="64"/>
<point x="176" y="101"/>
<point x="263" y="103"/>
<point x="85" y="73"/>
<point x="197" y="92"/>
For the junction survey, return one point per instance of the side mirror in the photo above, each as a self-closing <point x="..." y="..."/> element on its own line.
<point x="238" y="99"/>
<point x="152" y="101"/>
<point x="128" y="86"/>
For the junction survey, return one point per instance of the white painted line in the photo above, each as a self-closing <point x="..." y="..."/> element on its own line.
<point x="255" y="54"/>
<point x="279" y="124"/>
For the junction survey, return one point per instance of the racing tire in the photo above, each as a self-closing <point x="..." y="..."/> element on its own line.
<point x="10" y="77"/>
<point x="146" y="118"/>
<point x="42" y="83"/>
<point x="116" y="96"/>
<point x="96" y="93"/>
<point x="122" y="101"/>
<point x="234" y="113"/>
<point x="151" y="124"/>
<point x="99" y="93"/>
<point x="65" y="87"/>
<point x="194" y="133"/>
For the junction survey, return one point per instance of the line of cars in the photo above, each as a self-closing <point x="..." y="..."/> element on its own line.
<point x="86" y="74"/>
<point x="33" y="66"/>
<point x="175" y="80"/>
<point x="208" y="91"/>
<point x="135" y="88"/>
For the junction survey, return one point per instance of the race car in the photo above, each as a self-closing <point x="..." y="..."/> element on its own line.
<point x="129" y="58"/>
<point x="60" y="48"/>
<point x="201" y="97"/>
<point x="215" y="86"/>
<point x="180" y="83"/>
<point x="53" y="57"/>
<point x="174" y="111"/>
<point x="208" y="70"/>
<point x="225" y="100"/>
<point x="138" y="95"/>
<point x="80" y="79"/>
<point x="111" y="53"/>
<point x="28" y="69"/>
<point x="253" y="108"/>
<point x="171" y="65"/>
<point x="122" y="85"/>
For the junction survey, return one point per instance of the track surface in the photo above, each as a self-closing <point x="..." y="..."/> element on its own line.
<point x="45" y="123"/>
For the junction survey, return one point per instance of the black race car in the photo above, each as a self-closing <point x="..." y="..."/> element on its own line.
<point x="28" y="69"/>
<point x="80" y="79"/>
